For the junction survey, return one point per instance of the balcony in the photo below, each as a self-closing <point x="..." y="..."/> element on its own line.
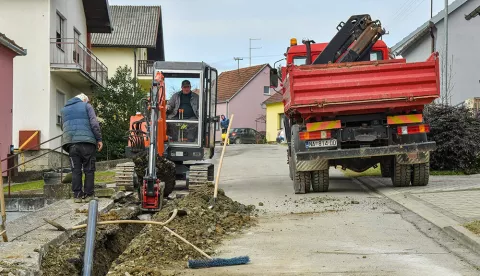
<point x="76" y="64"/>
<point x="145" y="68"/>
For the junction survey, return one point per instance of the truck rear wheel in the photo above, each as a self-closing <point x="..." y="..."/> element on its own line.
<point x="421" y="174"/>
<point x="302" y="179"/>
<point x="401" y="175"/>
<point x="320" y="180"/>
<point x="290" y="168"/>
<point x="386" y="168"/>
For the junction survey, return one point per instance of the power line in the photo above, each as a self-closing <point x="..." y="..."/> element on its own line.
<point x="406" y="5"/>
<point x="406" y="15"/>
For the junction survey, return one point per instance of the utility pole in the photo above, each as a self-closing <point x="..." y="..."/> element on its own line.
<point x="238" y="61"/>
<point x="431" y="27"/>
<point x="250" y="56"/>
<point x="445" y="57"/>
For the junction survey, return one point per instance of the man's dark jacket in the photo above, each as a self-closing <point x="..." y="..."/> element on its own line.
<point x="80" y="124"/>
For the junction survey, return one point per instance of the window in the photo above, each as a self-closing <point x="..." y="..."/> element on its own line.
<point x="376" y="55"/>
<point x="298" y="60"/>
<point x="60" y="30"/>
<point x="60" y="105"/>
<point x="281" y="121"/>
<point x="76" y="41"/>
<point x="266" y="90"/>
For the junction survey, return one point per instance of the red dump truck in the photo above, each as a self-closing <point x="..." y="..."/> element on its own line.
<point x="350" y="104"/>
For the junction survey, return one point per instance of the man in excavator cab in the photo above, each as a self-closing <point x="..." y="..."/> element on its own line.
<point x="183" y="105"/>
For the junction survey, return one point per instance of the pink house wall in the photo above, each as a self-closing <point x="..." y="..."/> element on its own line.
<point x="6" y="102"/>
<point x="246" y="105"/>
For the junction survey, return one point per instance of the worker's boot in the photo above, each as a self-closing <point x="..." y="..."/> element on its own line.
<point x="89" y="198"/>
<point x="77" y="200"/>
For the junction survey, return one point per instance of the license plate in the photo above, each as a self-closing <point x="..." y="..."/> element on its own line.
<point x="179" y="153"/>
<point x="321" y="143"/>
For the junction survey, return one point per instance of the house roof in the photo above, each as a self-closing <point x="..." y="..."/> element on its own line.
<point x="421" y="31"/>
<point x="275" y="98"/>
<point x="97" y="16"/>
<point x="10" y="44"/>
<point x="232" y="82"/>
<point x="134" y="26"/>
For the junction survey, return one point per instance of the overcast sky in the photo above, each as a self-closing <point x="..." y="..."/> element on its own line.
<point x="216" y="31"/>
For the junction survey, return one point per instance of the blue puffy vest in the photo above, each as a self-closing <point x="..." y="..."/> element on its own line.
<point x="76" y="123"/>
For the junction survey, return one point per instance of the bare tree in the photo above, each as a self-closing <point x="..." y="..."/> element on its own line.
<point x="448" y="73"/>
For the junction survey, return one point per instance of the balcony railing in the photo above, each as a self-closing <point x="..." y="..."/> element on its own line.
<point x="145" y="67"/>
<point x="71" y="53"/>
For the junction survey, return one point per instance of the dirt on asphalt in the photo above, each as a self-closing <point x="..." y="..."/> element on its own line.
<point x="156" y="252"/>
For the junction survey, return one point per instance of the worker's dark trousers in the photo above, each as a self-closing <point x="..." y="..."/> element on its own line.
<point x="82" y="155"/>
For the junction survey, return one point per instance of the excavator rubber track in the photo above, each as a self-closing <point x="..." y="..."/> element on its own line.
<point x="200" y="174"/>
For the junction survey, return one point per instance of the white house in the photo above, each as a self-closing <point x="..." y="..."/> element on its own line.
<point x="136" y="41"/>
<point x="463" y="43"/>
<point x="59" y="65"/>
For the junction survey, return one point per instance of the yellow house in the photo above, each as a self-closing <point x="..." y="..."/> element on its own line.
<point x="275" y="116"/>
<point x="136" y="41"/>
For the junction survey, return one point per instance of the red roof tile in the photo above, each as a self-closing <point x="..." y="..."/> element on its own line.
<point x="230" y="82"/>
<point x="275" y="98"/>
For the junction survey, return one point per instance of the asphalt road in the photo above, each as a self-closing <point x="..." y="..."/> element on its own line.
<point x="347" y="231"/>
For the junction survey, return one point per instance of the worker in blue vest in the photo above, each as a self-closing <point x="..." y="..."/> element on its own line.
<point x="81" y="139"/>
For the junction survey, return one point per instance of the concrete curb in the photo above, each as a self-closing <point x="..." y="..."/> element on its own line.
<point x="465" y="236"/>
<point x="448" y="225"/>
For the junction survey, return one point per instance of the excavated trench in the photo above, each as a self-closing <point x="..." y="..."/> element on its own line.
<point x="136" y="249"/>
<point x="110" y="242"/>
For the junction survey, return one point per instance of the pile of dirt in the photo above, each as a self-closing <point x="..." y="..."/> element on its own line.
<point x="154" y="250"/>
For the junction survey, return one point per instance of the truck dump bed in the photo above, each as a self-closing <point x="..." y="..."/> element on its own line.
<point x="361" y="87"/>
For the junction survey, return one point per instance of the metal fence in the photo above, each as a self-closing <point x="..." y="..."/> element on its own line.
<point x="71" y="53"/>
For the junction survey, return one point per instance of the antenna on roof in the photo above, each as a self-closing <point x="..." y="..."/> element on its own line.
<point x="238" y="61"/>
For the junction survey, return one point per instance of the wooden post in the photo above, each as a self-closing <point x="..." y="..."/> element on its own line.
<point x="215" y="193"/>
<point x="2" y="206"/>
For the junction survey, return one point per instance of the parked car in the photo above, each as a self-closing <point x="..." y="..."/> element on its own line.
<point x="246" y="136"/>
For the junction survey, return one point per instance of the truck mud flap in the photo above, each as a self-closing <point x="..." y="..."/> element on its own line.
<point x="365" y="152"/>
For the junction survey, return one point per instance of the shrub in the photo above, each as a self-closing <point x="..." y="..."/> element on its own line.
<point x="457" y="134"/>
<point x="114" y="105"/>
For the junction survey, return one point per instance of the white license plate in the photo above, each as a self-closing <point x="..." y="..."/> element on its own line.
<point x="179" y="153"/>
<point x="321" y="143"/>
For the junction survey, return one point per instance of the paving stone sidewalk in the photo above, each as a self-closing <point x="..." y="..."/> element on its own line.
<point x="457" y="197"/>
<point x="447" y="201"/>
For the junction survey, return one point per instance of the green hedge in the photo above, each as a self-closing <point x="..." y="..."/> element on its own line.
<point x="457" y="134"/>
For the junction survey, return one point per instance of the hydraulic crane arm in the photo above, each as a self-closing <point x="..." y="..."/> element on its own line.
<point x="353" y="40"/>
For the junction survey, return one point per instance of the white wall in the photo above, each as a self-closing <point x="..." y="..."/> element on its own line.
<point x="114" y="57"/>
<point x="463" y="43"/>
<point x="59" y="84"/>
<point x="74" y="15"/>
<point x="75" y="18"/>
<point x="27" y="22"/>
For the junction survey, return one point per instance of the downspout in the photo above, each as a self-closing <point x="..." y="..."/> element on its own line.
<point x="135" y="68"/>
<point x="227" y="110"/>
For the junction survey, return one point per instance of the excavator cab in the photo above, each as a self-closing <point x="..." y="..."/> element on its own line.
<point x="191" y="118"/>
